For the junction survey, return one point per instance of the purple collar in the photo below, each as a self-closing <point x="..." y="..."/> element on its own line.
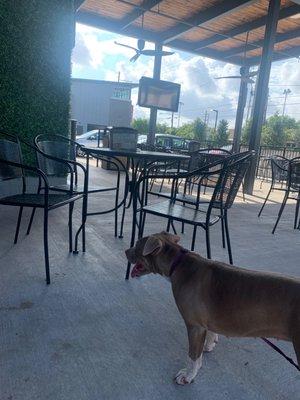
<point x="179" y="256"/>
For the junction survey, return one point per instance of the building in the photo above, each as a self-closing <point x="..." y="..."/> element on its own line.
<point x="97" y="103"/>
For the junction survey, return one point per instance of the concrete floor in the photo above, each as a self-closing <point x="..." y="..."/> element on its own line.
<point x="92" y="336"/>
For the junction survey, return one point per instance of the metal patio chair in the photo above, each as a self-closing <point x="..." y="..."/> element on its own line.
<point x="279" y="177"/>
<point x="13" y="168"/>
<point x="292" y="191"/>
<point x="60" y="147"/>
<point x="230" y="177"/>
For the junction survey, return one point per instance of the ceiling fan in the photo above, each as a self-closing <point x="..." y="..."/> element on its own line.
<point x="245" y="77"/>
<point x="141" y="51"/>
<point x="140" y="48"/>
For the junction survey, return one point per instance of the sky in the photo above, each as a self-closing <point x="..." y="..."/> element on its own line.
<point x="96" y="56"/>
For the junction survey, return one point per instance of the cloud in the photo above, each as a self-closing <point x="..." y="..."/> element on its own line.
<point x="96" y="51"/>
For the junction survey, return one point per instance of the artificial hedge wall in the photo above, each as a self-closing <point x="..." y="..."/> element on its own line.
<point x="36" y="40"/>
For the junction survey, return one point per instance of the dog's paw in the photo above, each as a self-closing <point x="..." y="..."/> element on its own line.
<point x="208" y="347"/>
<point x="183" y="377"/>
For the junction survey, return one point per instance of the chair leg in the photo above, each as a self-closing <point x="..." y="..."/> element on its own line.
<point x="122" y="222"/>
<point x="18" y="225"/>
<point x="223" y="229"/>
<point x="207" y="236"/>
<point x="81" y="228"/>
<point x="182" y="227"/>
<point x="296" y="213"/>
<point x="116" y="214"/>
<point x="173" y="227"/>
<point x="71" y="208"/>
<point x="168" y="225"/>
<point x="31" y="220"/>
<point x="46" y="250"/>
<point x="194" y="238"/>
<point x="228" y="239"/>
<point x="264" y="203"/>
<point x="142" y="227"/>
<point x="280" y="211"/>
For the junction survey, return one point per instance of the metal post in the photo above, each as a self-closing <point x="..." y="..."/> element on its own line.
<point x="240" y="113"/>
<point x="285" y="92"/>
<point x="262" y="90"/>
<point x="179" y="113"/>
<point x="153" y="110"/>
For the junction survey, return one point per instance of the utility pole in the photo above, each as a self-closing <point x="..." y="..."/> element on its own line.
<point x="172" y="120"/>
<point x="286" y="92"/>
<point x="216" y="120"/>
<point x="179" y="113"/>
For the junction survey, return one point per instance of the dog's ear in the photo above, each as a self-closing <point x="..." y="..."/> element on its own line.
<point x="153" y="245"/>
<point x="173" y="238"/>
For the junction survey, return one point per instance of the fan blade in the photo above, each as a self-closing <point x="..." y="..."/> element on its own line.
<point x="156" y="53"/>
<point x="134" y="58"/>
<point x="229" y="77"/>
<point x="126" y="45"/>
<point x="253" y="73"/>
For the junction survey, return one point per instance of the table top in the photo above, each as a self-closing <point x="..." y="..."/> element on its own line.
<point x="149" y="155"/>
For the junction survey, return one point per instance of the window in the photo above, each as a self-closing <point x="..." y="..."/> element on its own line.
<point x="121" y="93"/>
<point x="178" y="143"/>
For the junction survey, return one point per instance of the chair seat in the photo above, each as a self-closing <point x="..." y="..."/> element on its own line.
<point x="181" y="213"/>
<point x="79" y="188"/>
<point x="38" y="200"/>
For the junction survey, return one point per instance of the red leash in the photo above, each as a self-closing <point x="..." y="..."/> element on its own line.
<point x="290" y="360"/>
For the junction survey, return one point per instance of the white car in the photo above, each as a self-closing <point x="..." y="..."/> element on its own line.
<point x="89" y="139"/>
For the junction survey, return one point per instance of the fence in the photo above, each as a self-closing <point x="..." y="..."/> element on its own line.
<point x="263" y="170"/>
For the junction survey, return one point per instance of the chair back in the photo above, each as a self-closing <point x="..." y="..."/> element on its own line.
<point x="279" y="168"/>
<point x="56" y="146"/>
<point x="294" y="174"/>
<point x="231" y="176"/>
<point x="10" y="150"/>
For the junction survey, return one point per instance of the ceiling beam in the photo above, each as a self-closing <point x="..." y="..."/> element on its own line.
<point x="78" y="3"/>
<point x="280" y="37"/>
<point x="210" y="53"/>
<point x="137" y="12"/>
<point x="248" y="26"/>
<point x="277" y="56"/>
<point x="99" y="22"/>
<point x="203" y="17"/>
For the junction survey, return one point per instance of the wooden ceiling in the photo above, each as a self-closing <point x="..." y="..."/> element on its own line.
<point x="212" y="28"/>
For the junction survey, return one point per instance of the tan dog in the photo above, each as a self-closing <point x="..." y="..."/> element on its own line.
<point x="215" y="297"/>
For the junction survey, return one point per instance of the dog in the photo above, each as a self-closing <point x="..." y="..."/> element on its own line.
<point x="216" y="298"/>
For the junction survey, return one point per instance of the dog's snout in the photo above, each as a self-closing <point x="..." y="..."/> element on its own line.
<point x="130" y="254"/>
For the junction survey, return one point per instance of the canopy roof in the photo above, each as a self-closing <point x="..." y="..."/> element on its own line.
<point x="210" y="28"/>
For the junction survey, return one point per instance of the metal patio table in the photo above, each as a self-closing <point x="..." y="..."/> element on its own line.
<point x="139" y="161"/>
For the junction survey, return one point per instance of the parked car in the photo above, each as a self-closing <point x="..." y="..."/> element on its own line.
<point x="168" y="142"/>
<point x="89" y="139"/>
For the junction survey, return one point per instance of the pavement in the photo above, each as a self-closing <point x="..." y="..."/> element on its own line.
<point x="91" y="335"/>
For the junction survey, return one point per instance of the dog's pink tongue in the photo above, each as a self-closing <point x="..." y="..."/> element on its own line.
<point x="136" y="270"/>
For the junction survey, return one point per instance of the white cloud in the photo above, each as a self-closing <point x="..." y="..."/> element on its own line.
<point x="96" y="50"/>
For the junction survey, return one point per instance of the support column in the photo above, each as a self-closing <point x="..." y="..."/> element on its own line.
<point x="261" y="95"/>
<point x="153" y="110"/>
<point x="240" y="112"/>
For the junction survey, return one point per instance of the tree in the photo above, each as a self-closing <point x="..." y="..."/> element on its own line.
<point x="200" y="130"/>
<point x="141" y="125"/>
<point x="221" y="136"/>
<point x="246" y="132"/>
<point x="278" y="130"/>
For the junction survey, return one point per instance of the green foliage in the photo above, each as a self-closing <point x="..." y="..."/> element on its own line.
<point x="279" y="130"/>
<point x="36" y="39"/>
<point x="141" y="125"/>
<point x="195" y="130"/>
<point x="221" y="136"/>
<point x="246" y="132"/>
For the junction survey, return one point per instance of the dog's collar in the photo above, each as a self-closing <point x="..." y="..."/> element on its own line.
<point x="179" y="256"/>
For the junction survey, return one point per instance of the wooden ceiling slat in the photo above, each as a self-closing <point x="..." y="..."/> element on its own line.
<point x="137" y="12"/>
<point x="203" y="17"/>
<point x="248" y="26"/>
<point x="280" y="37"/>
<point x="223" y="38"/>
